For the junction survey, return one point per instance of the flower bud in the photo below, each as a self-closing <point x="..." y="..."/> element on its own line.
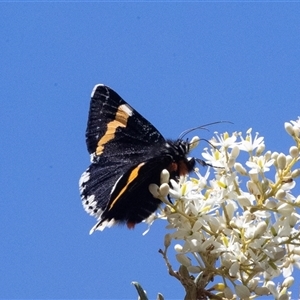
<point x="252" y="188"/>
<point x="167" y="240"/>
<point x="268" y="155"/>
<point x="270" y="204"/>
<point x="272" y="288"/>
<point x="288" y="160"/>
<point x="289" y="128"/>
<point x="284" y="295"/>
<point x="296" y="250"/>
<point x="235" y="267"/>
<point x="296" y="173"/>
<point x="254" y="177"/>
<point x="194" y="269"/>
<point x="281" y="161"/>
<point x="164" y="189"/>
<point x="228" y="293"/>
<point x="178" y="248"/>
<point x="260" y="149"/>
<point x="154" y="190"/>
<point x="274" y="155"/>
<point x="239" y="167"/>
<point x="242" y="291"/>
<point x="183" y="260"/>
<point x="293" y="219"/>
<point x="296" y="131"/>
<point x="194" y="142"/>
<point x="235" y="152"/>
<point x="244" y="201"/>
<point x="280" y="194"/>
<point x="265" y="185"/>
<point x="164" y="176"/>
<point x="288" y="282"/>
<point x="260" y="229"/>
<point x="261" y="290"/>
<point x="230" y="162"/>
<point x="252" y="284"/>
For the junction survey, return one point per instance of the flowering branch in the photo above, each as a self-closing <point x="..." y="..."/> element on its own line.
<point x="236" y="230"/>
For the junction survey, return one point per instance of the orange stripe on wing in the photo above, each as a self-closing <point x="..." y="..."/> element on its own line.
<point x="132" y="176"/>
<point x="123" y="113"/>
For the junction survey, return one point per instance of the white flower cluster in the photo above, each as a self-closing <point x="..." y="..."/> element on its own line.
<point x="238" y="227"/>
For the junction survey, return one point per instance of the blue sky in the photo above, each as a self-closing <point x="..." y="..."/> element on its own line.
<point x="180" y="65"/>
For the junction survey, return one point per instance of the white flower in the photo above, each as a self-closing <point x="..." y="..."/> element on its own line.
<point x="241" y="229"/>
<point x="249" y="144"/>
<point x="296" y="123"/>
<point x="224" y="140"/>
<point x="291" y="261"/>
<point x="296" y="127"/>
<point x="260" y="165"/>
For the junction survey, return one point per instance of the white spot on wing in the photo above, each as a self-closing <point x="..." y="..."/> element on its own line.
<point x="85" y="177"/>
<point x="103" y="225"/>
<point x="127" y="109"/>
<point x="90" y="206"/>
<point x="88" y="203"/>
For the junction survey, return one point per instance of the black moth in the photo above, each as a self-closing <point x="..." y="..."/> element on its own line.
<point x="127" y="154"/>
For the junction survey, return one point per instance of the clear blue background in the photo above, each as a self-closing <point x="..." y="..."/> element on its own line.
<point x="180" y="65"/>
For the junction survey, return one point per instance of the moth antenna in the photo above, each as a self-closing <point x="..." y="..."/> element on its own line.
<point x="201" y="161"/>
<point x="208" y="142"/>
<point x="200" y="127"/>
